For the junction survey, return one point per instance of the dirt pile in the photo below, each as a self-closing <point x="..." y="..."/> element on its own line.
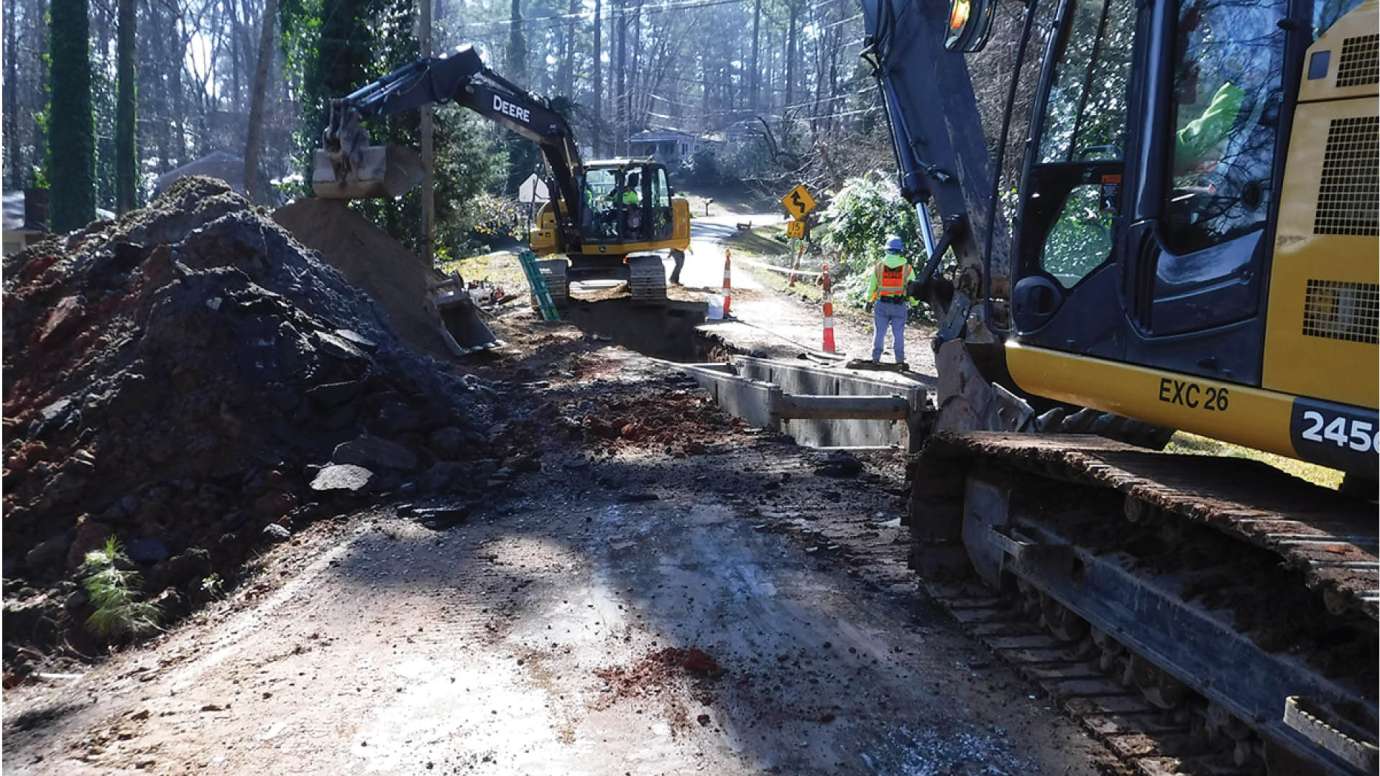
<point x="666" y="670"/>
<point x="368" y="258"/>
<point x="677" y="422"/>
<point x="195" y="382"/>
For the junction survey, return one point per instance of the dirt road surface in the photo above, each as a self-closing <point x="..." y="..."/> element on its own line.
<point x="775" y="324"/>
<point x="678" y="594"/>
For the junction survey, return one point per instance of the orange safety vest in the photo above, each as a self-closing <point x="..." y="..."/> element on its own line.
<point x="891" y="282"/>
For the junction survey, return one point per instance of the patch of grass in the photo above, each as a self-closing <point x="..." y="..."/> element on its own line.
<point x="501" y="268"/>
<point x="761" y="241"/>
<point x="112" y="588"/>
<point x="1183" y="442"/>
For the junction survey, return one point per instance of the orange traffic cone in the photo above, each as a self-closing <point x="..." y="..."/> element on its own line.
<point x="828" y="312"/>
<point x="728" y="282"/>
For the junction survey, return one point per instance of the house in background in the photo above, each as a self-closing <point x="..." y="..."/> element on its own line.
<point x="217" y="164"/>
<point x="668" y="146"/>
<point x="26" y="218"/>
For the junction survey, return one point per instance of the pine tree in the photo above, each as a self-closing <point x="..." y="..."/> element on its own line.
<point x="126" y="156"/>
<point x="72" y="132"/>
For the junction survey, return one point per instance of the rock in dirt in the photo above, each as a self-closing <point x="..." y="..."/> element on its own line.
<point x="374" y="452"/>
<point x="342" y="477"/>
<point x="163" y="373"/>
<point x="276" y="533"/>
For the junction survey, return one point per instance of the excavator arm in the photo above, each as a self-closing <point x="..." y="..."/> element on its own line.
<point x="938" y="140"/>
<point x="461" y="77"/>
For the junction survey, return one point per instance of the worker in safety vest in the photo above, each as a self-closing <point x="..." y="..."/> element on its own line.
<point x="886" y="292"/>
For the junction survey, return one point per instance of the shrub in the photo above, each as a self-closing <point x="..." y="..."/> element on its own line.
<point x="855" y="227"/>
<point x="111" y="588"/>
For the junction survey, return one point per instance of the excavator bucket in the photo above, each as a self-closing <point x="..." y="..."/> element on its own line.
<point x="461" y="327"/>
<point x="366" y="172"/>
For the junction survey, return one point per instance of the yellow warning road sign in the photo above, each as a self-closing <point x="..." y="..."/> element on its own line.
<point x="798" y="202"/>
<point x="795" y="230"/>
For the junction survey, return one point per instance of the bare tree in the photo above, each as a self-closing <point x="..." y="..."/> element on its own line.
<point x="257" y="97"/>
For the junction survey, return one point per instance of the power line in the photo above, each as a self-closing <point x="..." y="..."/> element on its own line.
<point x="613" y="12"/>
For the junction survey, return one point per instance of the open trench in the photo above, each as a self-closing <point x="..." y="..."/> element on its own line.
<point x="668" y="331"/>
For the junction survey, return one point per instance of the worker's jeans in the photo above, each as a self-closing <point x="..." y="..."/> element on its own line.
<point x="887" y="314"/>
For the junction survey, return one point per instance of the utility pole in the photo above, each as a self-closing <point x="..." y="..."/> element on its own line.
<point x="428" y="181"/>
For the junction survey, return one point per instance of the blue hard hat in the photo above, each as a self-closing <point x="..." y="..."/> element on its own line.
<point x="894" y="244"/>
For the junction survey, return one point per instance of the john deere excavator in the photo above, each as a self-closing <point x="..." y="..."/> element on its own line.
<point x="1183" y="235"/>
<point x="608" y="218"/>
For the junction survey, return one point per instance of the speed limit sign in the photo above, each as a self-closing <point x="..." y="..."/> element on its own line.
<point x="795" y="230"/>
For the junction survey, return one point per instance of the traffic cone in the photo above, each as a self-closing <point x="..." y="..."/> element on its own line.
<point x="828" y="312"/>
<point x="728" y="282"/>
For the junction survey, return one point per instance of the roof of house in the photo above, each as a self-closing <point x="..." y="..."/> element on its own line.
<point x="660" y="136"/>
<point x="217" y="164"/>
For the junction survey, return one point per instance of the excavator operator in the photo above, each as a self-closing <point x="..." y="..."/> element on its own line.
<point x="630" y="201"/>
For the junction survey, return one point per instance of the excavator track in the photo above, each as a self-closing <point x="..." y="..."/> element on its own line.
<point x="1238" y="599"/>
<point x="647" y="279"/>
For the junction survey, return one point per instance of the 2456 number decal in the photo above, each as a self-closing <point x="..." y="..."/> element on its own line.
<point x="1358" y="435"/>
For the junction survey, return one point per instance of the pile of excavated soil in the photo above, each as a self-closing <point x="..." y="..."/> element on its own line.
<point x="368" y="258"/>
<point x="195" y="382"/>
<point x="677" y="422"/>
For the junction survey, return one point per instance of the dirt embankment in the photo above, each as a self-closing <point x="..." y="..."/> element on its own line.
<point x="393" y="276"/>
<point x="195" y="382"/>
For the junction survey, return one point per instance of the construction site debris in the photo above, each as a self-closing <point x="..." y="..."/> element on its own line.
<point x="185" y="377"/>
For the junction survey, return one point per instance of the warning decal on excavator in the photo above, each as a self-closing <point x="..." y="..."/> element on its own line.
<point x="795" y="230"/>
<point x="798" y="202"/>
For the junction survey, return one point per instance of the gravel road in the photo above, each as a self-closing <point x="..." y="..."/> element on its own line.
<point x="627" y="609"/>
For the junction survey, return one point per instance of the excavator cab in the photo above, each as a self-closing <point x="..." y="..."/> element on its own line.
<point x="626" y="201"/>
<point x="624" y="215"/>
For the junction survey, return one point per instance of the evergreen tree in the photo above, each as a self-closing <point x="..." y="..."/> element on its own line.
<point x="72" y="129"/>
<point x="126" y="156"/>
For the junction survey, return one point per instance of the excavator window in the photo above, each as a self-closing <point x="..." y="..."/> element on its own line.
<point x="661" y="205"/>
<point x="600" y="218"/>
<point x="1085" y="114"/>
<point x="1228" y="62"/>
<point x="1073" y="188"/>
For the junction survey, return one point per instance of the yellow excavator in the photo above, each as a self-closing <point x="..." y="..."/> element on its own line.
<point x="1177" y="229"/>
<point x="606" y="219"/>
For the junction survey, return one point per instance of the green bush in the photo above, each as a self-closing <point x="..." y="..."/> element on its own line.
<point x="854" y="229"/>
<point x="111" y="588"/>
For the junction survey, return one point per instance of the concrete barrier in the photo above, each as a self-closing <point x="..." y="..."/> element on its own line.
<point x="817" y="406"/>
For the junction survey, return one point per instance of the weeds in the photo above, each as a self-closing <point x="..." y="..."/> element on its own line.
<point x="111" y="588"/>
<point x="213" y="586"/>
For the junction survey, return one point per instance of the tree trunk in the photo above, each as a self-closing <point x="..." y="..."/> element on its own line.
<point x="72" y="138"/>
<point x="257" y="98"/>
<point x="428" y="256"/>
<point x="565" y="78"/>
<point x="126" y="156"/>
<point x="634" y="78"/>
<point x="15" y="160"/>
<point x="756" y="76"/>
<point x="598" y="111"/>
<point x="790" y="55"/>
<point x="620" y="138"/>
<point x="517" y="47"/>
<point x="179" y="97"/>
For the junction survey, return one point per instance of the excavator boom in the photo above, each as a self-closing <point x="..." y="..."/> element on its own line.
<point x="348" y="167"/>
